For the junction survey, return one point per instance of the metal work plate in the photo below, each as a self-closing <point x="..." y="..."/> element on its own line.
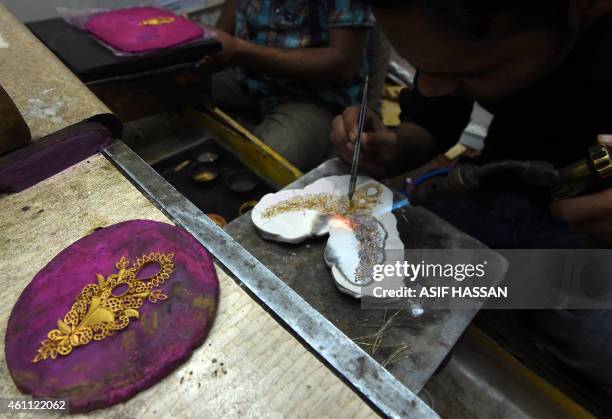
<point x="360" y="371"/>
<point x="412" y="348"/>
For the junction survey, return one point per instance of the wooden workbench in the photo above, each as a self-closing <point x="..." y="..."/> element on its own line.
<point x="47" y="94"/>
<point x="249" y="366"/>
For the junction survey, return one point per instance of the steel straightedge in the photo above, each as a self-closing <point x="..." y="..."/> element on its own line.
<point x="360" y="371"/>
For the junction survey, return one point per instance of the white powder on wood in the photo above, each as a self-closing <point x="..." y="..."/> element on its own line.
<point x="3" y="43"/>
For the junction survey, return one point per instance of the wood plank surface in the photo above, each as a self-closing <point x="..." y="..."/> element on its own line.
<point x="248" y="367"/>
<point x="47" y="94"/>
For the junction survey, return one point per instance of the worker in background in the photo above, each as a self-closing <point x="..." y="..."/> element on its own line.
<point x="293" y="65"/>
<point x="544" y="70"/>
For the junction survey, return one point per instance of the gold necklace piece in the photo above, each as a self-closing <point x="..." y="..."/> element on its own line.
<point x="157" y="21"/>
<point x="356" y="213"/>
<point x="371" y="237"/>
<point x="104" y="308"/>
<point x="364" y="200"/>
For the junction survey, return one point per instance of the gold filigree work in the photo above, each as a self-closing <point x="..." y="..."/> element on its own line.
<point x="104" y="308"/>
<point x="364" y="200"/>
<point x="157" y="21"/>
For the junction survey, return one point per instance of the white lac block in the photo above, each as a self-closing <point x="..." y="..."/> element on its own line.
<point x="362" y="232"/>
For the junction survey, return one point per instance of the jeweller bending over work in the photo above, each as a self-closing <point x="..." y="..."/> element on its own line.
<point x="544" y="70"/>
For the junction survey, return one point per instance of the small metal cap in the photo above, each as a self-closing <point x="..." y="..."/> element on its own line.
<point x="601" y="161"/>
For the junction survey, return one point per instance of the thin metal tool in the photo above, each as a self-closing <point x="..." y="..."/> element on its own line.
<point x="363" y="111"/>
<point x="359" y="370"/>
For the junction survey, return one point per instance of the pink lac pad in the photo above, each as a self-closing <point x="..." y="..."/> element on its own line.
<point x="133" y="301"/>
<point x="142" y="29"/>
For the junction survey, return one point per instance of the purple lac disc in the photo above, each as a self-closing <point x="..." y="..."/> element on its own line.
<point x="112" y="314"/>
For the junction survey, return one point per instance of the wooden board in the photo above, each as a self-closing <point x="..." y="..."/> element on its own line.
<point x="249" y="366"/>
<point x="47" y="94"/>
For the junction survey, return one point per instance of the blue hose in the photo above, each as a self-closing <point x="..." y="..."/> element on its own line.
<point x="436" y="172"/>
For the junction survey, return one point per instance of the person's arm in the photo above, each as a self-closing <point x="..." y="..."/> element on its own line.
<point x="337" y="63"/>
<point x="385" y="152"/>
<point x="416" y="147"/>
<point x="227" y="20"/>
<point x="429" y="126"/>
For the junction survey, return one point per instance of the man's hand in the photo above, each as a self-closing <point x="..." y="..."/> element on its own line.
<point x="379" y="145"/>
<point x="229" y="47"/>
<point x="588" y="214"/>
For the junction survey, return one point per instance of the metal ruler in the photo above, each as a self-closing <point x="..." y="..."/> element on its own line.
<point x="360" y="371"/>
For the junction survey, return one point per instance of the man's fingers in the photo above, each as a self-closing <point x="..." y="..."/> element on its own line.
<point x="344" y="154"/>
<point x="338" y="132"/>
<point x="372" y="123"/>
<point x="339" y="139"/>
<point x="350" y="117"/>
<point x="585" y="207"/>
<point x="339" y="136"/>
<point x="377" y="140"/>
<point x="375" y="123"/>
<point x="373" y="168"/>
<point x="365" y="163"/>
<point x="369" y="141"/>
<point x="374" y="143"/>
<point x="345" y="130"/>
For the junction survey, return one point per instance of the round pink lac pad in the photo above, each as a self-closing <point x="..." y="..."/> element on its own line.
<point x="159" y="337"/>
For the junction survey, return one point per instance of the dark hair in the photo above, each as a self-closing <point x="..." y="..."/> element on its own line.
<point x="473" y="17"/>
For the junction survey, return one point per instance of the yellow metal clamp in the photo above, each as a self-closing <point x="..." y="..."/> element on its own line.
<point x="577" y="176"/>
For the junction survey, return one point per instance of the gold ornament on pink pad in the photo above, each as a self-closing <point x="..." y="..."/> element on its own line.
<point x="104" y="308"/>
